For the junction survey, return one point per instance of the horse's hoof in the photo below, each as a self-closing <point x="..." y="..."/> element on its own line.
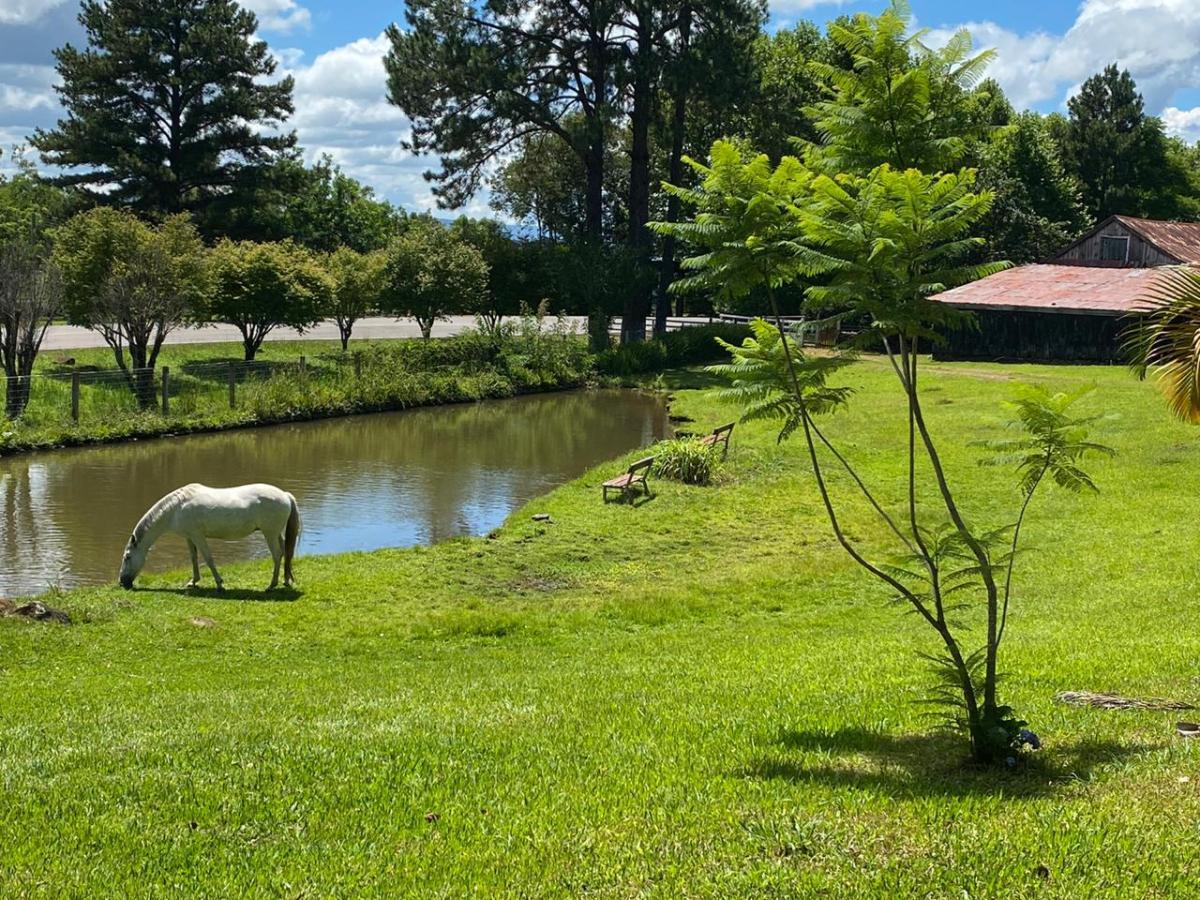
<point x="191" y="585"/>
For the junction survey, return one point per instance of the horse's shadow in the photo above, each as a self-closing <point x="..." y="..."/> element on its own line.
<point x="279" y="595"/>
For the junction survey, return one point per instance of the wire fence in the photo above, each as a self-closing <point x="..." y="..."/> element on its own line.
<point x="195" y="389"/>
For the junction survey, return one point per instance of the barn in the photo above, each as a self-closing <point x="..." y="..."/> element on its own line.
<point x="1073" y="307"/>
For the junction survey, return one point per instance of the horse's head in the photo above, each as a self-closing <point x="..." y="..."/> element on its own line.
<point x="131" y="562"/>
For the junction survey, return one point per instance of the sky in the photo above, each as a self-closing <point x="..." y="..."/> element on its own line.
<point x="334" y="48"/>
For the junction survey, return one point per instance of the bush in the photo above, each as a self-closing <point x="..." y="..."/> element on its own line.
<point x="686" y="347"/>
<point x="684" y="459"/>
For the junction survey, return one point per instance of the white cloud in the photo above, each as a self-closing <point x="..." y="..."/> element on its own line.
<point x="25" y="12"/>
<point x="1157" y="40"/>
<point x="342" y="110"/>
<point x="282" y="16"/>
<point x="1183" y="123"/>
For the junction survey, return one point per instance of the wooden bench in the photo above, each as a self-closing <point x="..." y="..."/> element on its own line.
<point x="635" y="475"/>
<point x="719" y="436"/>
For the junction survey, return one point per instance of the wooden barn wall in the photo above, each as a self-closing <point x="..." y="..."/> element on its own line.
<point x="1030" y="336"/>
<point x="1140" y="252"/>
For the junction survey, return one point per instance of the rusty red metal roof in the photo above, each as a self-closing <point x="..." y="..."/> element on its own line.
<point x="1180" y="239"/>
<point x="1054" y="288"/>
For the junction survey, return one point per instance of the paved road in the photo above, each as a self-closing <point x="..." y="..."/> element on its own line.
<point x="69" y="337"/>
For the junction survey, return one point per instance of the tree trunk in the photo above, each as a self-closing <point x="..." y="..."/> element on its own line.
<point x="666" y="273"/>
<point x="637" y="303"/>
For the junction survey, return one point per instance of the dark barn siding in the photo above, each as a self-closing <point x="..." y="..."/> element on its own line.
<point x="1141" y="252"/>
<point x="1030" y="336"/>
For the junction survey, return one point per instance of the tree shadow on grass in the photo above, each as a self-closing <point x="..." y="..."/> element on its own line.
<point x="279" y="595"/>
<point x="928" y="765"/>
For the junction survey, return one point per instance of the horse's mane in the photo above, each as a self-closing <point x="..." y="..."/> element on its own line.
<point x="161" y="508"/>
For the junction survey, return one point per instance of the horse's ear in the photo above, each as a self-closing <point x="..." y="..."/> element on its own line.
<point x="133" y="540"/>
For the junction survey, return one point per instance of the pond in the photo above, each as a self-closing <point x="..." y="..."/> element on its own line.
<point x="364" y="482"/>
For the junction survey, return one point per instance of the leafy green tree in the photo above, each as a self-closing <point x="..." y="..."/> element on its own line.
<point x="475" y="81"/>
<point x="30" y="298"/>
<point x="431" y="274"/>
<point x="786" y="87"/>
<point x="132" y="283"/>
<point x="514" y="271"/>
<point x="30" y="206"/>
<point x="318" y="206"/>
<point x="1117" y="152"/>
<point x="168" y="105"/>
<point x="260" y="287"/>
<point x="592" y="279"/>
<point x="883" y="244"/>
<point x="893" y="100"/>
<point x="1038" y="209"/>
<point x="356" y="284"/>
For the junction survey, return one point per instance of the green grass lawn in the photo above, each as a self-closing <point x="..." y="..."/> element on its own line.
<point x="388" y="374"/>
<point x="698" y="695"/>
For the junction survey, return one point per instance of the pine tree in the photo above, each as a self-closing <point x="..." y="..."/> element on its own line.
<point x="1117" y="152"/>
<point x="167" y="105"/>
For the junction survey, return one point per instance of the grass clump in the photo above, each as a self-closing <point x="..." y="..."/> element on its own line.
<point x="685" y="460"/>
<point x="520" y="358"/>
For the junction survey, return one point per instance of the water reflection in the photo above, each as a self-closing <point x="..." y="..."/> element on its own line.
<point x="386" y="480"/>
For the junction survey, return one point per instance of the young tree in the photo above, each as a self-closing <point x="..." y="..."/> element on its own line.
<point x="431" y="274"/>
<point x="168" y="106"/>
<point x="356" y="284"/>
<point x="514" y="276"/>
<point x="260" y="287"/>
<point x="884" y="242"/>
<point x="30" y="298"/>
<point x="132" y="284"/>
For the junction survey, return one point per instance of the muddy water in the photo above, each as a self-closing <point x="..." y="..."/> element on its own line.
<point x="365" y="482"/>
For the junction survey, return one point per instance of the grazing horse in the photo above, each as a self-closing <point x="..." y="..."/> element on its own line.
<point x="199" y="513"/>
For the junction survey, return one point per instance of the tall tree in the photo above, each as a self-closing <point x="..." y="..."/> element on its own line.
<point x="1118" y="153"/>
<point x="477" y="80"/>
<point x="893" y="100"/>
<point x="169" y="105"/>
<point x="1037" y="209"/>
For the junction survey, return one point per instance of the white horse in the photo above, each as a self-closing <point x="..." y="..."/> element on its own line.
<point x="199" y="513"/>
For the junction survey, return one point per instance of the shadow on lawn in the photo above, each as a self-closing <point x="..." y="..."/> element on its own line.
<point x="928" y="765"/>
<point x="279" y="595"/>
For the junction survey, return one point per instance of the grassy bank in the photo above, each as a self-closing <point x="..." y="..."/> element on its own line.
<point x="695" y="696"/>
<point x="276" y="388"/>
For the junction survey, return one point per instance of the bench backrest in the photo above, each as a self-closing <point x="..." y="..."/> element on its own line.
<point x="724" y="429"/>
<point x="641" y="464"/>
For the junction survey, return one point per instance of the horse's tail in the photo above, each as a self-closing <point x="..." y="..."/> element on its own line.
<point x="291" y="534"/>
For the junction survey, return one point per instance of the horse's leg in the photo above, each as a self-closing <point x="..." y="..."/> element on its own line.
<point x="202" y="543"/>
<point x="275" y="545"/>
<point x="195" y="582"/>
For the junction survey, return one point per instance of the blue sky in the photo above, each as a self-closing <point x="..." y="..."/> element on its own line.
<point x="334" y="49"/>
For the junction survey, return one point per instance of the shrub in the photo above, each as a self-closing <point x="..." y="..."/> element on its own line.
<point x="686" y="347"/>
<point x="684" y="459"/>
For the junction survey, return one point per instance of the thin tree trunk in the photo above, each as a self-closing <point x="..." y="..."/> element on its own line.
<point x="666" y="273"/>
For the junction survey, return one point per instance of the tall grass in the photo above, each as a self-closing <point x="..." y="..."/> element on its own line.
<point x="523" y="356"/>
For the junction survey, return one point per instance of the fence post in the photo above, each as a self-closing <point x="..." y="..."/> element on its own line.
<point x="303" y="370"/>
<point x="166" y="390"/>
<point x="75" y="396"/>
<point x="357" y="364"/>
<point x="232" y="386"/>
